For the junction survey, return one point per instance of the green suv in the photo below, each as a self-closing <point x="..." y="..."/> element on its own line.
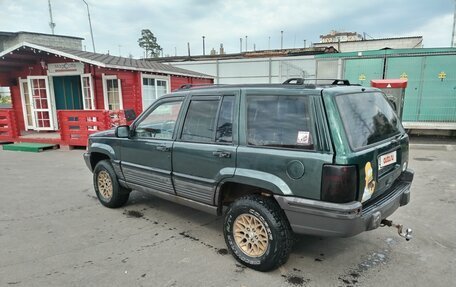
<point x="274" y="159"/>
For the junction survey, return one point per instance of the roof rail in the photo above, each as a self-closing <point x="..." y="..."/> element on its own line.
<point x="189" y="86"/>
<point x="331" y="82"/>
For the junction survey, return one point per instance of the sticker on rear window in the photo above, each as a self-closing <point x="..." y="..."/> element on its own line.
<point x="369" y="188"/>
<point x="303" y="137"/>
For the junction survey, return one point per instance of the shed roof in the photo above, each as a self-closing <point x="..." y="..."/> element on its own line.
<point x="105" y="61"/>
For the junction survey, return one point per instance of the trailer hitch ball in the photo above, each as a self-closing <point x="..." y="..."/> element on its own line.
<point x="408" y="234"/>
<point x="405" y="233"/>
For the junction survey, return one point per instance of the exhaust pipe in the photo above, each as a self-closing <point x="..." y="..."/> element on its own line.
<point x="405" y="233"/>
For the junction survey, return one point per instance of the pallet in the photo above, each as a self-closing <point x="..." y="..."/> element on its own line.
<point x="30" y="147"/>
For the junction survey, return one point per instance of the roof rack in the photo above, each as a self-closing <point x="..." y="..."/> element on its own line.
<point x="190" y="86"/>
<point x="314" y="82"/>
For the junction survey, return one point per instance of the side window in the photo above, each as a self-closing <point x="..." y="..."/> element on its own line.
<point x="280" y="121"/>
<point x="160" y="122"/>
<point x="199" y="125"/>
<point x="224" y="132"/>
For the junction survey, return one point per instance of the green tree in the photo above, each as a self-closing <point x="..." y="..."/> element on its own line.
<point x="149" y="43"/>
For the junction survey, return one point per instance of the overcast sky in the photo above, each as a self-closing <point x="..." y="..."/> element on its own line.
<point x="117" y="23"/>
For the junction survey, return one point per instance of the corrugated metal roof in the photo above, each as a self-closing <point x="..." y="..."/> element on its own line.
<point x="109" y="61"/>
<point x="390" y="52"/>
<point x="127" y="63"/>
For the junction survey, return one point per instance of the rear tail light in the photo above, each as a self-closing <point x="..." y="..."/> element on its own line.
<point x="339" y="183"/>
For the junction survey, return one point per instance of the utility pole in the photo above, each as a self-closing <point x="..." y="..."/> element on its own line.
<point x="453" y="40"/>
<point x="204" y="48"/>
<point x="240" y="45"/>
<point x="51" y="22"/>
<point x="90" y="25"/>
<point x="246" y="43"/>
<point x="188" y="48"/>
<point x="269" y="43"/>
<point x="281" y="40"/>
<point x="304" y="43"/>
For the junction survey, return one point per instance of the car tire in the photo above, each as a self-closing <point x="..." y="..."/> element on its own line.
<point x="257" y="232"/>
<point x="109" y="192"/>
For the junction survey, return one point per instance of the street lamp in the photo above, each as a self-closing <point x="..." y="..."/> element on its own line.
<point x="90" y="25"/>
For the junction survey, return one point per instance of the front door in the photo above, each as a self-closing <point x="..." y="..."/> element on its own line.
<point x="67" y="91"/>
<point x="146" y="155"/>
<point x="41" y="107"/>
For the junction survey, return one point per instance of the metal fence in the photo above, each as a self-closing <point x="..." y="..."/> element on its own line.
<point x="431" y="91"/>
<point x="430" y="96"/>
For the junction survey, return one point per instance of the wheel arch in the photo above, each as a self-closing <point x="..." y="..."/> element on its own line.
<point x="99" y="151"/>
<point x="237" y="186"/>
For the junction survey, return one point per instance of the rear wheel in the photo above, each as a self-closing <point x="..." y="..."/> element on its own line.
<point x="257" y="232"/>
<point x="109" y="192"/>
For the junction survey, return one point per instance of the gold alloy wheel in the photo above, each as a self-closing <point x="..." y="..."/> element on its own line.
<point x="250" y="235"/>
<point x="104" y="184"/>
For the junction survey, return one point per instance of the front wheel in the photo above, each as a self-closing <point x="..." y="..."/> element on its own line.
<point x="257" y="232"/>
<point x="109" y="192"/>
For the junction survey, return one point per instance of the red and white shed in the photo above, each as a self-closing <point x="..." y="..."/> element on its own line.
<point x="57" y="89"/>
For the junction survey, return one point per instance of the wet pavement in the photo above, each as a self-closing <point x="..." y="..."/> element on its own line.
<point x="53" y="232"/>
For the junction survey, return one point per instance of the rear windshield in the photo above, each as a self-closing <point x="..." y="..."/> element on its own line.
<point x="368" y="118"/>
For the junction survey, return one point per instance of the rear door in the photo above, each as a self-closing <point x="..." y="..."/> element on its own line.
<point x="284" y="140"/>
<point x="205" y="150"/>
<point x="376" y="141"/>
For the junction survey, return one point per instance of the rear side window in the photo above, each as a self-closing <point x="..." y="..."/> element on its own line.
<point x="280" y="121"/>
<point x="199" y="123"/>
<point x="368" y="118"/>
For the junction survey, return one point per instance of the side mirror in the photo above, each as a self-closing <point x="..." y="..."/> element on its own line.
<point x="122" y="131"/>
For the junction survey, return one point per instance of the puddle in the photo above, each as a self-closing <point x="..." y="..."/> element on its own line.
<point x="134" y="214"/>
<point x="295" y="280"/>
<point x="222" y="251"/>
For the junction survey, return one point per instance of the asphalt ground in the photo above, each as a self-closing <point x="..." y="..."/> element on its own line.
<point x="53" y="232"/>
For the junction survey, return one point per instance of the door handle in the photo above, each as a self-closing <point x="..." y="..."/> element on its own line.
<point x="222" y="154"/>
<point x="163" y="148"/>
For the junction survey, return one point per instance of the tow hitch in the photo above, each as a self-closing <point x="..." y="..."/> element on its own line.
<point x="407" y="234"/>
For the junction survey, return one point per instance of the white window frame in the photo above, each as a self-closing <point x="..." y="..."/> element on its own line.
<point x="50" y="109"/>
<point x="28" y="126"/>
<point x="167" y="79"/>
<point x="105" y="90"/>
<point x="92" y="95"/>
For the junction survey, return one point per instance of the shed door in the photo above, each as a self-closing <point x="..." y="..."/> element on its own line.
<point x="41" y="104"/>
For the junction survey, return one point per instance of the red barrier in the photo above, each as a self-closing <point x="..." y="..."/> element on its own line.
<point x="8" y="125"/>
<point x="76" y="126"/>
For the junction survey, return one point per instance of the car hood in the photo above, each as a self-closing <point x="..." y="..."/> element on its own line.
<point x="106" y="133"/>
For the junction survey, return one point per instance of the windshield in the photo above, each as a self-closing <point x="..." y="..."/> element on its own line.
<point x="368" y="118"/>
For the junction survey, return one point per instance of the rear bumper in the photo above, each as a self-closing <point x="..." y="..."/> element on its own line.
<point x="343" y="220"/>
